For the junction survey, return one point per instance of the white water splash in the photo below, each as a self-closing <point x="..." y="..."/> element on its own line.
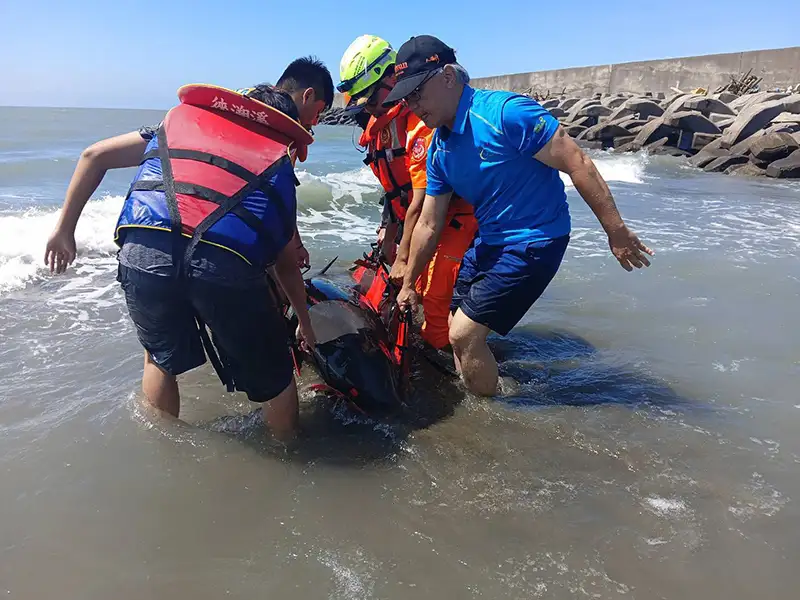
<point x="666" y="507"/>
<point x="23" y="239"/>
<point x="627" y="168"/>
<point x="23" y="236"/>
<point x="339" y="186"/>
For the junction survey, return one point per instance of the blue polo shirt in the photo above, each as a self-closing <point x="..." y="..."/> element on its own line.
<point x="488" y="160"/>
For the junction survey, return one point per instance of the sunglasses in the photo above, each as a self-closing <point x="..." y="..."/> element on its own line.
<point x="416" y="94"/>
<point x="370" y="95"/>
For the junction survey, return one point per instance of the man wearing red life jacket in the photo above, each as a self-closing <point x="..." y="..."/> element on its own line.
<point x="397" y="144"/>
<point x="212" y="207"/>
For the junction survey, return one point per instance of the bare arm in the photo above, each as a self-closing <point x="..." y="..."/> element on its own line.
<point x="303" y="257"/>
<point x="114" y="153"/>
<point x="562" y="153"/>
<point x="386" y="237"/>
<point x="288" y="276"/>
<point x="412" y="216"/>
<point x="425" y="236"/>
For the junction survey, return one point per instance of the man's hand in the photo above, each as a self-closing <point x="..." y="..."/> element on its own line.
<point x="381" y="235"/>
<point x="628" y="249"/>
<point x="306" y="337"/>
<point x="407" y="298"/>
<point x="303" y="257"/>
<point x="398" y="272"/>
<point x="60" y="251"/>
<point x="290" y="280"/>
<point x="562" y="153"/>
<point x="118" y="152"/>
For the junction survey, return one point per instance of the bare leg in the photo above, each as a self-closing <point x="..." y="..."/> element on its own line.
<point x="457" y="363"/>
<point x="160" y="389"/>
<point x="455" y="356"/>
<point x="282" y="413"/>
<point x="473" y="358"/>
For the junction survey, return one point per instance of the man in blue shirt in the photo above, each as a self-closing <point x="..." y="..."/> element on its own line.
<point x="502" y="152"/>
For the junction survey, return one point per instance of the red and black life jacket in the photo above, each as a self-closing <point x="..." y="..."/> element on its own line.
<point x="219" y="172"/>
<point x="385" y="139"/>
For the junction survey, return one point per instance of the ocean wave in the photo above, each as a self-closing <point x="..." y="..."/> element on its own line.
<point x="333" y="209"/>
<point x="361" y="185"/>
<point x="622" y="168"/>
<point x="339" y="208"/>
<point x="357" y="185"/>
<point x="23" y="239"/>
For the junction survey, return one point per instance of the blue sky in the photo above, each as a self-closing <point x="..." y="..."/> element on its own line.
<point x="136" y="54"/>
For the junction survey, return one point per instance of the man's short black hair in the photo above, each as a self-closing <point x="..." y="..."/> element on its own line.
<point x="277" y="99"/>
<point x="308" y="72"/>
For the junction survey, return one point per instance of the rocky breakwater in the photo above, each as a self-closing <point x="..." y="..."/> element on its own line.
<point x="336" y="116"/>
<point x="755" y="134"/>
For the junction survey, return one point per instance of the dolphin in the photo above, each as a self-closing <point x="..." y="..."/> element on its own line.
<point x="361" y="351"/>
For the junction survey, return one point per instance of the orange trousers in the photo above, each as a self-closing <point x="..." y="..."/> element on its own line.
<point x="435" y="285"/>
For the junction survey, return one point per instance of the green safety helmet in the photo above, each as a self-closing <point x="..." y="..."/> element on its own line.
<point x="364" y="64"/>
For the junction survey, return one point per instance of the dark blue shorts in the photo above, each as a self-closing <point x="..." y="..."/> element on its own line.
<point x="498" y="284"/>
<point x="247" y="328"/>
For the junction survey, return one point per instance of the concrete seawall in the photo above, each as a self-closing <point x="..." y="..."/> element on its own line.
<point x="779" y="67"/>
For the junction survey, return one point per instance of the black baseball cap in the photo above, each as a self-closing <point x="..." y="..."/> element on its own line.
<point x="415" y="60"/>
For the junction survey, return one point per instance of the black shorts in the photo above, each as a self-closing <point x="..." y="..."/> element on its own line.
<point x="247" y="327"/>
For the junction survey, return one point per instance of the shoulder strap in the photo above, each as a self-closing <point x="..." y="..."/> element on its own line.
<point x="172" y="202"/>
<point x="204" y="157"/>
<point x="226" y="204"/>
<point x="371" y="157"/>
<point x="232" y="204"/>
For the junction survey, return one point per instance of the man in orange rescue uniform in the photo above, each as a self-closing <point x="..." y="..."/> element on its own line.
<point x="397" y="150"/>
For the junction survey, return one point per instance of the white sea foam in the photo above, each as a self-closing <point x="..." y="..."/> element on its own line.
<point x="349" y="185"/>
<point x="624" y="168"/>
<point x="332" y="208"/>
<point x="23" y="238"/>
<point x="341" y="209"/>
